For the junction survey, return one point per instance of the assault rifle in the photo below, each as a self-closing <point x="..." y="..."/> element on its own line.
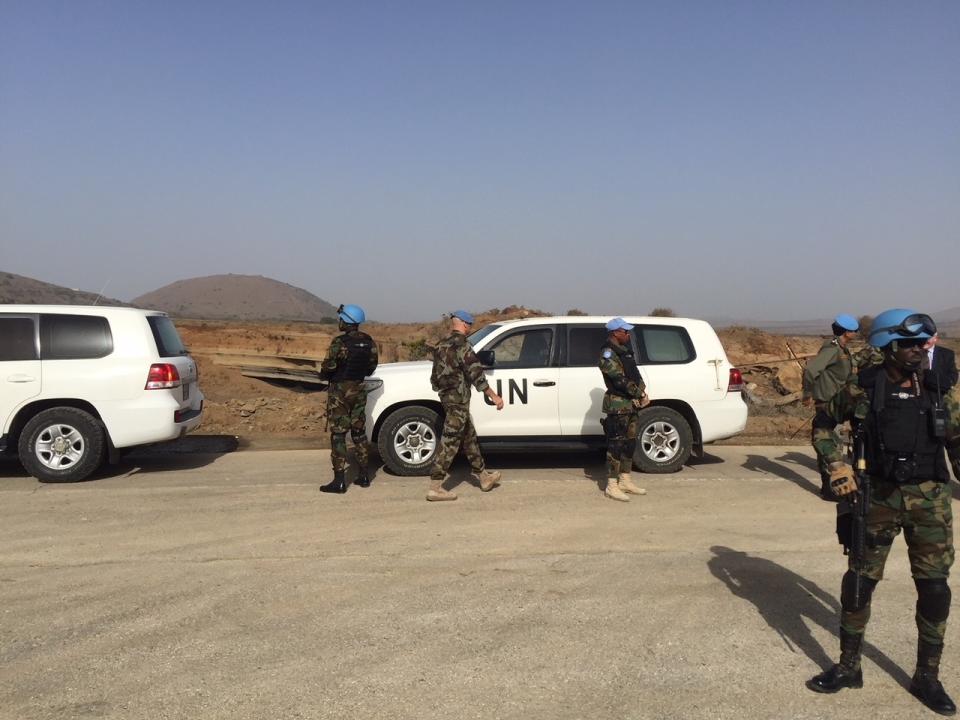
<point x="856" y="540"/>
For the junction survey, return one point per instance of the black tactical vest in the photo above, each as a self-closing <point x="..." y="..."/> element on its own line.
<point x="359" y="354"/>
<point x="629" y="363"/>
<point x="903" y="447"/>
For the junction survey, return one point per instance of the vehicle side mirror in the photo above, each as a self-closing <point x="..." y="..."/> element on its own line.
<point x="487" y="358"/>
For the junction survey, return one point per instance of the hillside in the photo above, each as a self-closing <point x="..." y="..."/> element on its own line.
<point x="17" y="289"/>
<point x="237" y="297"/>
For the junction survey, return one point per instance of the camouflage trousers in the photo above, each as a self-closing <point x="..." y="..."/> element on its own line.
<point x="621" y="432"/>
<point x="458" y="431"/>
<point x="346" y="412"/>
<point x="922" y="511"/>
<point x="826" y="441"/>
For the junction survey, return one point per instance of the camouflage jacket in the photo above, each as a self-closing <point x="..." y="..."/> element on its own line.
<point x="351" y="356"/>
<point x="853" y="403"/>
<point x="455" y="368"/>
<point x="866" y="357"/>
<point x="620" y="375"/>
<point x="827" y="373"/>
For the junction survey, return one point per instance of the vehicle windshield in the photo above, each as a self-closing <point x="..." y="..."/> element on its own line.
<point x="474" y="338"/>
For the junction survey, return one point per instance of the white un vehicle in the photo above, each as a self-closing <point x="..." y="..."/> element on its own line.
<point x="545" y="369"/>
<point x="79" y="383"/>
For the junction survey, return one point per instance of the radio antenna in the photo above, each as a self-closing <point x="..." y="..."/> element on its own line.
<point x="100" y="294"/>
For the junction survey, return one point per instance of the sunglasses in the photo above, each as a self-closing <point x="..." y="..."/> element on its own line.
<point x="911" y="343"/>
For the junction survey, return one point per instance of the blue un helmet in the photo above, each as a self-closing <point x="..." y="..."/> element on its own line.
<point x="351" y="314"/>
<point x="847" y="323"/>
<point x="901" y="324"/>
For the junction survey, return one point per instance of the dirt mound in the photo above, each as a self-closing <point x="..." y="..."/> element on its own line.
<point x="257" y="409"/>
<point x="771" y="364"/>
<point x="17" y="289"/>
<point x="238" y="297"/>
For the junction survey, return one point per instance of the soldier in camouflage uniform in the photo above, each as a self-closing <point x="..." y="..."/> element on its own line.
<point x="626" y="394"/>
<point x="823" y="378"/>
<point x="351" y="358"/>
<point x="909" y="491"/>
<point x="455" y="368"/>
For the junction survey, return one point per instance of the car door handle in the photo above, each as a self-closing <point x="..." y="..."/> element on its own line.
<point x="21" y="378"/>
<point x="543" y="383"/>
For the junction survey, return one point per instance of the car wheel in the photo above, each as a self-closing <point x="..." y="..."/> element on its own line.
<point x="664" y="440"/>
<point x="409" y="440"/>
<point x="62" y="445"/>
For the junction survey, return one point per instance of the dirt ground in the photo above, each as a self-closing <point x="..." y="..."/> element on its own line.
<point x="257" y="410"/>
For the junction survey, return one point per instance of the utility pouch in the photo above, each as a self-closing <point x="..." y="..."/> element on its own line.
<point x="938" y="422"/>
<point x="900" y="469"/>
<point x="845" y="529"/>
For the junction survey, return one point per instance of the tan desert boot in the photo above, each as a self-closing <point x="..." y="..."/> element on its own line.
<point x="488" y="479"/>
<point x="436" y="493"/>
<point x="626" y="484"/>
<point x="614" y="492"/>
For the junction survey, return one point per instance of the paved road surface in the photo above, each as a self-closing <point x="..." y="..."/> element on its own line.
<point x="225" y="586"/>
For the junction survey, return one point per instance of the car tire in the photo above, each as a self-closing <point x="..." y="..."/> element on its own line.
<point x="664" y="440"/>
<point x="409" y="439"/>
<point x="63" y="444"/>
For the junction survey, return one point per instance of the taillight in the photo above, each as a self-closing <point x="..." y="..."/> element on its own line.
<point x="735" y="384"/>
<point x="162" y="376"/>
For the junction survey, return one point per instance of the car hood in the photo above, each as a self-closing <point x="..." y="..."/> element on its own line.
<point x="396" y="369"/>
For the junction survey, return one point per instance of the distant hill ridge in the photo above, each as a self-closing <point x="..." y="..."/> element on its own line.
<point x="237" y="297"/>
<point x="20" y="290"/>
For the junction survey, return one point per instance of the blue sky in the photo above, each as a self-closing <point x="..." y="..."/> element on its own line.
<point x="765" y="160"/>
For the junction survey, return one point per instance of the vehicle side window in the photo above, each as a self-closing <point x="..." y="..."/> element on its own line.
<point x="17" y="340"/>
<point x="525" y="349"/>
<point x="166" y="336"/>
<point x="663" y="345"/>
<point x="74" y="337"/>
<point x="583" y="348"/>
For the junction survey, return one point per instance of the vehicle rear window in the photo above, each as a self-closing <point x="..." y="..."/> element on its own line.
<point x="663" y="345"/>
<point x="74" y="337"/>
<point x="168" y="340"/>
<point x="17" y="340"/>
<point x="583" y="349"/>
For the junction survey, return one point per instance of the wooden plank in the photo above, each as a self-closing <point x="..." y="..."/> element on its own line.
<point x="280" y="374"/>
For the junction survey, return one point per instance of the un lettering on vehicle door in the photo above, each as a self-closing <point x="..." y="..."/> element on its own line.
<point x="525" y="377"/>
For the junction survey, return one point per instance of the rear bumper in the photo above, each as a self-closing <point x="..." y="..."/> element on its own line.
<point x="152" y="419"/>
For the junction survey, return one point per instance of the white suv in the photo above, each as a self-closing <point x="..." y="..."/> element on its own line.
<point x="77" y="383"/>
<point x="546" y="371"/>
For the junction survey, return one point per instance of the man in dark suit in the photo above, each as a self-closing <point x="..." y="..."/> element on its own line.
<point x="941" y="363"/>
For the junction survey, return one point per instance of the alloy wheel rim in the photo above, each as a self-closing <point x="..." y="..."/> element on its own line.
<point x="660" y="441"/>
<point x="415" y="442"/>
<point x="59" y="446"/>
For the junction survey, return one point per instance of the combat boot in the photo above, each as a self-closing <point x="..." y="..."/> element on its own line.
<point x="339" y="484"/>
<point x="845" y="674"/>
<point x="363" y="480"/>
<point x="488" y="479"/>
<point x="614" y="492"/>
<point x="626" y="484"/>
<point x="436" y="493"/>
<point x="925" y="685"/>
